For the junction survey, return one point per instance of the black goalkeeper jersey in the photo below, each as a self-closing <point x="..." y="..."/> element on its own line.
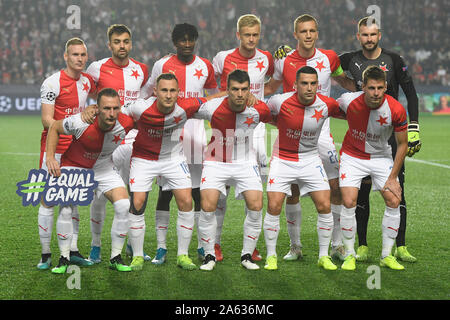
<point x="354" y="63"/>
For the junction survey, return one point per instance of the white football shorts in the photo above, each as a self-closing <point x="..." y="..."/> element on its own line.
<point x="353" y="170"/>
<point x="308" y="173"/>
<point x="175" y="172"/>
<point x="121" y="158"/>
<point x="328" y="154"/>
<point x="243" y="176"/>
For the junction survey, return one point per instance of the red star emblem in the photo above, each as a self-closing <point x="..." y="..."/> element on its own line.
<point x="260" y="65"/>
<point x="318" y="115"/>
<point x="135" y="74"/>
<point x="319" y="65"/>
<point x="85" y="87"/>
<point x="117" y="139"/>
<point x="249" y="121"/>
<point x="343" y="176"/>
<point x="203" y="180"/>
<point x="132" y="181"/>
<point x="382" y="120"/>
<point x="198" y="73"/>
<point x="271" y="181"/>
<point x="177" y="119"/>
<point x="384" y="67"/>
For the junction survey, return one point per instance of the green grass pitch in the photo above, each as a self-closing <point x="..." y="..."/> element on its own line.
<point x="427" y="195"/>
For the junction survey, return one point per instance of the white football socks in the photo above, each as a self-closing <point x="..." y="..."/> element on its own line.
<point x="162" y="219"/>
<point x="97" y="218"/>
<point x="185" y="225"/>
<point x="390" y="224"/>
<point x="336" y="236"/>
<point x="348" y="228"/>
<point x="136" y="233"/>
<point x="294" y="223"/>
<point x="324" y="231"/>
<point x="64" y="229"/>
<point x="271" y="229"/>
<point x="252" y="230"/>
<point x="119" y="229"/>
<point x="207" y="225"/>
<point x="45" y="225"/>
<point x="220" y="216"/>
<point x="75" y="229"/>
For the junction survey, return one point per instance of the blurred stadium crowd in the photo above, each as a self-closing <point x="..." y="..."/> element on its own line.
<point x="34" y="32"/>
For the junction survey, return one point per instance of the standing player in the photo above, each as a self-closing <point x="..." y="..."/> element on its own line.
<point x="62" y="94"/>
<point x="326" y="63"/>
<point x="397" y="74"/>
<point x="194" y="74"/>
<point x="258" y="64"/>
<point x="300" y="116"/>
<point x="92" y="147"/>
<point x="231" y="159"/>
<point x="127" y="76"/>
<point x="372" y="115"/>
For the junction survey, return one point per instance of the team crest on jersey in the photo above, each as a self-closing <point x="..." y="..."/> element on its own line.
<point x="73" y="187"/>
<point x="383" y="66"/>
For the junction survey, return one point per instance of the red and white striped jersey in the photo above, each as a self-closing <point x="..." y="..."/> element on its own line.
<point x="370" y="129"/>
<point x="258" y="66"/>
<point x="232" y="137"/>
<point x="326" y="63"/>
<point x="69" y="97"/>
<point x="126" y="80"/>
<point x="299" y="126"/>
<point x="158" y="135"/>
<point x="193" y="77"/>
<point x="91" y="145"/>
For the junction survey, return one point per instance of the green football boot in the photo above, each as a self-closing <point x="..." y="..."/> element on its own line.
<point x="362" y="254"/>
<point x="117" y="263"/>
<point x="61" y="268"/>
<point x="271" y="263"/>
<point x="391" y="263"/>
<point x="349" y="263"/>
<point x="184" y="262"/>
<point x="326" y="263"/>
<point x="402" y="254"/>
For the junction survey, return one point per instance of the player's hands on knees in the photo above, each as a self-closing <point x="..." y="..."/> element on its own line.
<point x="414" y="142"/>
<point x="282" y="52"/>
<point x="88" y="114"/>
<point x="53" y="167"/>
<point x="393" y="186"/>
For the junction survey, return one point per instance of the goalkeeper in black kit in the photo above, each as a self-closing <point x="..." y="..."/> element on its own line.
<point x="355" y="63"/>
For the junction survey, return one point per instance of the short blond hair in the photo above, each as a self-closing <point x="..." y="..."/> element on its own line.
<point x="72" y="42"/>
<point x="304" y="18"/>
<point x="248" y="20"/>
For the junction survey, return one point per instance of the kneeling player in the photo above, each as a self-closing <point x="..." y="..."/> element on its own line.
<point x="300" y="116"/>
<point x="92" y="147"/>
<point x="231" y="160"/>
<point x="371" y="116"/>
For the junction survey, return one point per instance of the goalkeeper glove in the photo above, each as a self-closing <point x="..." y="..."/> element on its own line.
<point x="282" y="52"/>
<point x="414" y="143"/>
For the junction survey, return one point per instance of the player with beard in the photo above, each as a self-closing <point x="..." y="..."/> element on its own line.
<point x="127" y="76"/>
<point x="397" y="74"/>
